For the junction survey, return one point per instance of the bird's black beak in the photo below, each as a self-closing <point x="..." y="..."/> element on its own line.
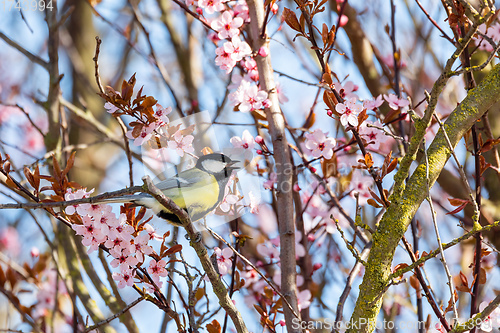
<point x="230" y="165"/>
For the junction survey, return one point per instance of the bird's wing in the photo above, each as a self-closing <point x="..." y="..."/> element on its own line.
<point x="184" y="179"/>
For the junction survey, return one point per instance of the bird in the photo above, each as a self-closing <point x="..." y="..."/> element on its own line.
<point x="197" y="190"/>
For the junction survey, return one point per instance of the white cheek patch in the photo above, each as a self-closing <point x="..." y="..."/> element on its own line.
<point x="213" y="166"/>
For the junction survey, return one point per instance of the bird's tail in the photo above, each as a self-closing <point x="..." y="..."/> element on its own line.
<point x="132" y="198"/>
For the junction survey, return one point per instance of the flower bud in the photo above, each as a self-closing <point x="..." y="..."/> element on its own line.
<point x="259" y="140"/>
<point x="264" y="51"/>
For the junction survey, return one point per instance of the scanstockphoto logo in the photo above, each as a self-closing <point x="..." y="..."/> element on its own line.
<point x="175" y="146"/>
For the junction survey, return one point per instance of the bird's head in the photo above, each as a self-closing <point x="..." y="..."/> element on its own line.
<point x="217" y="164"/>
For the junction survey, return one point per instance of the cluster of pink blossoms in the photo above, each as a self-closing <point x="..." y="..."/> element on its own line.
<point x="233" y="49"/>
<point x="180" y="143"/>
<point x="102" y="227"/>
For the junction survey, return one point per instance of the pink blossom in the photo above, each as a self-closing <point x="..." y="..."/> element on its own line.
<point x="304" y="299"/>
<point x="78" y="194"/>
<point x="226" y="25"/>
<point x="269" y="184"/>
<point x="360" y="184"/>
<point x="152" y="232"/>
<point x="254" y="203"/>
<point x="95" y="211"/>
<point x="115" y="244"/>
<point x="250" y="65"/>
<point x="230" y="53"/>
<point x="145" y="135"/>
<point x="9" y="241"/>
<point x="346" y="90"/>
<point x="224" y="261"/>
<point x="493" y="320"/>
<point x="241" y="10"/>
<point x="157" y="269"/>
<point x="274" y="8"/>
<point x="211" y="6"/>
<point x="267" y="249"/>
<point x="106" y="220"/>
<point x="141" y="246"/>
<point x="246" y="141"/>
<point x="125" y="278"/>
<point x="228" y="201"/>
<point x="266" y="219"/>
<point x="373" y="104"/>
<point x="33" y="140"/>
<point x="240" y="84"/>
<point x="110" y="108"/>
<point x="319" y="144"/>
<point x="281" y="93"/>
<point x="494" y="32"/>
<point x="161" y="113"/>
<point x="124" y="259"/>
<point x="88" y="230"/>
<point x="395" y="102"/>
<point x="213" y="36"/>
<point x="241" y="48"/>
<point x="343" y="20"/>
<point x="264" y="51"/>
<point x="373" y="136"/>
<point x="119" y="228"/>
<point x="300" y="251"/>
<point x="250" y="275"/>
<point x="35" y="252"/>
<point x="181" y="144"/>
<point x="253" y="99"/>
<point x="349" y="111"/>
<point x="481" y="42"/>
<point x="6" y="112"/>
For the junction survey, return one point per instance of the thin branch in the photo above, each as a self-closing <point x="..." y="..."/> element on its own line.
<point x="438" y="239"/>
<point x="116" y="315"/>
<point x="32" y="57"/>
<point x="435" y="23"/>
<point x="249" y="263"/>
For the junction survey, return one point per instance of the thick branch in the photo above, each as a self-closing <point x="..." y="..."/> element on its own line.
<point x="282" y="158"/>
<point x="399" y="214"/>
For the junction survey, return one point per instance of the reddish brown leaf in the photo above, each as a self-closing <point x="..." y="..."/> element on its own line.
<point x="457" y="202"/>
<point x="414" y="283"/>
<point x="482" y="276"/>
<point x="311" y="119"/>
<point x="3" y="278"/>
<point x="327" y="78"/>
<point x="392" y="165"/>
<point x="174" y="249"/>
<point x="330" y="101"/>
<point x="373" y="203"/>
<point x="362" y="117"/>
<point x="214" y="327"/>
<point x="399" y="266"/>
<point x="368" y="160"/>
<point x="69" y="164"/>
<point x="291" y="20"/>
<point x="374" y="195"/>
<point x="329" y="167"/>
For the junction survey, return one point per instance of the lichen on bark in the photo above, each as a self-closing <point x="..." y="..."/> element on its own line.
<point x="397" y="218"/>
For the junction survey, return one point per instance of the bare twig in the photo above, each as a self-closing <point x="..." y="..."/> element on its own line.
<point x="32" y="57"/>
<point x="116" y="315"/>
<point x="438" y="239"/>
